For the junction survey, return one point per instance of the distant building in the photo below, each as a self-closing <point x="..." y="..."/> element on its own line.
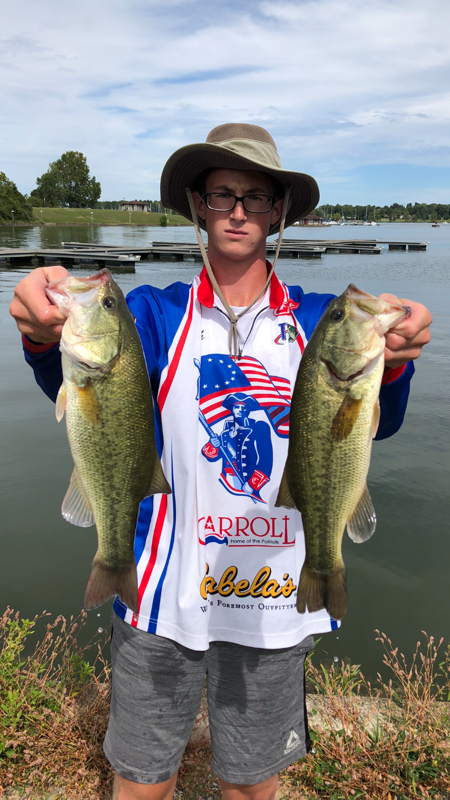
<point x="311" y="219"/>
<point x="133" y="205"/>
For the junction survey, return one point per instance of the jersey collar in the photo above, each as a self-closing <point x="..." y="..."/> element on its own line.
<point x="277" y="297"/>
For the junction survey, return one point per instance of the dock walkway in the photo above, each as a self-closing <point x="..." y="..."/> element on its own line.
<point x="124" y="258"/>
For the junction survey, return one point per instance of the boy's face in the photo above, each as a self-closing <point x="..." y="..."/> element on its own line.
<point x="237" y="234"/>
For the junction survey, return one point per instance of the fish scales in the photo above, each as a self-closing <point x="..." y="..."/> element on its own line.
<point x="340" y="466"/>
<point x="113" y="452"/>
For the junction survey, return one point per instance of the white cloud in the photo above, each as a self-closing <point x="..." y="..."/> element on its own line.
<point x="339" y="83"/>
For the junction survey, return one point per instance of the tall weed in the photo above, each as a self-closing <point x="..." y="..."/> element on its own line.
<point x="53" y="708"/>
<point x="402" y="752"/>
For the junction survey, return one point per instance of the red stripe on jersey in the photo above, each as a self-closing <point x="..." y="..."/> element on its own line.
<point x="165" y="388"/>
<point x="153" y="553"/>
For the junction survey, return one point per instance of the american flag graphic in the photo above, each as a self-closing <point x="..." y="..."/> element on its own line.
<point x="221" y="376"/>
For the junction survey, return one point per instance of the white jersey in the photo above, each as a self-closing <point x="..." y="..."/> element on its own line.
<point x="216" y="560"/>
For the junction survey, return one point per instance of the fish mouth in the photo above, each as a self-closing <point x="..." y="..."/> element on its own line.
<point x="82" y="290"/>
<point x="336" y="377"/>
<point x="364" y="306"/>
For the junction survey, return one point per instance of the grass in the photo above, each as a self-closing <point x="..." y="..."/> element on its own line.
<point x="54" y="710"/>
<point x="100" y="216"/>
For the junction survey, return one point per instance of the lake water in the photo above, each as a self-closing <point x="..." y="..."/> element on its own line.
<point x="398" y="581"/>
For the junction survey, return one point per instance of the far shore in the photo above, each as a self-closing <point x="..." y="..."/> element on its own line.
<point x="186" y="224"/>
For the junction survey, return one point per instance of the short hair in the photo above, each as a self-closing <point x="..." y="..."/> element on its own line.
<point x="200" y="183"/>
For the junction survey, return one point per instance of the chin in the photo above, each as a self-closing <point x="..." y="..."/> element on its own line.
<point x="235" y="252"/>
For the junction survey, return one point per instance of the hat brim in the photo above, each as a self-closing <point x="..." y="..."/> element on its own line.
<point x="186" y="164"/>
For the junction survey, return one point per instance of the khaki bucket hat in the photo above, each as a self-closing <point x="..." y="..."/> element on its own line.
<point x="235" y="145"/>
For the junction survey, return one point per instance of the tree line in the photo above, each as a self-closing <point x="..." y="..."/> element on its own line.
<point x="411" y="212"/>
<point x="67" y="183"/>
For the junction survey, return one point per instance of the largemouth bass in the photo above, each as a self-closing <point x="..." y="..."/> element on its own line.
<point x="334" y="417"/>
<point x="107" y="398"/>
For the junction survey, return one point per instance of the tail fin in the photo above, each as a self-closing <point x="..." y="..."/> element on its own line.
<point x="105" y="582"/>
<point x="317" y="591"/>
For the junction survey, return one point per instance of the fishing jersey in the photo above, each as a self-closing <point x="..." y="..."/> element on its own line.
<point x="216" y="560"/>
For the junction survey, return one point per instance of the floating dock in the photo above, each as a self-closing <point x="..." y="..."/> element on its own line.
<point x="124" y="258"/>
<point x="125" y="262"/>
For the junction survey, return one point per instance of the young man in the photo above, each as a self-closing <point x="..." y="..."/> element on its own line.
<point x="218" y="563"/>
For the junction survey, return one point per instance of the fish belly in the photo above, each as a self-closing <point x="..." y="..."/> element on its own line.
<point x="112" y="440"/>
<point x="326" y="479"/>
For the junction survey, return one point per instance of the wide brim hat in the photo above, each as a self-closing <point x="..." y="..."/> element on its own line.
<point x="235" y="146"/>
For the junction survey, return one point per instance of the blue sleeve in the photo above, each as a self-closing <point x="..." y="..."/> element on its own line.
<point x="393" y="402"/>
<point x="47" y="369"/>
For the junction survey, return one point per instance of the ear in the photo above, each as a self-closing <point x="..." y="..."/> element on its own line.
<point x="275" y="214"/>
<point x="200" y="205"/>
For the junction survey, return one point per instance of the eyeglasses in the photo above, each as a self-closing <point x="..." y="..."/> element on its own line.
<point x="253" y="203"/>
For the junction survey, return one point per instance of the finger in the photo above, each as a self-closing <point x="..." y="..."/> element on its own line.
<point x="396" y="341"/>
<point x="41" y="335"/>
<point x="399" y="352"/>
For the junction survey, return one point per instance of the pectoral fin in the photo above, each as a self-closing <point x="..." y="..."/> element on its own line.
<point x="61" y="401"/>
<point x="361" y="525"/>
<point x="158" y="483"/>
<point x="376" y="418"/>
<point x="88" y="401"/>
<point x="285" y="498"/>
<point x="76" y="508"/>
<point x="345" y="418"/>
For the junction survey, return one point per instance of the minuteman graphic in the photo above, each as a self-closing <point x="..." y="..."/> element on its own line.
<point x="245" y="447"/>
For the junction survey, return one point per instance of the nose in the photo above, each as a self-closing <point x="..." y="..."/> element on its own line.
<point x="238" y="212"/>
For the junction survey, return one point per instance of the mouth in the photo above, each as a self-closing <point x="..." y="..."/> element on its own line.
<point x="235" y="234"/>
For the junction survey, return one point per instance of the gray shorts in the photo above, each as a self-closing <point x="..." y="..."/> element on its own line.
<point x="256" y="706"/>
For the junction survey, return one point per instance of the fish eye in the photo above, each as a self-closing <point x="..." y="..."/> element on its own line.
<point x="337" y="314"/>
<point x="109" y="302"/>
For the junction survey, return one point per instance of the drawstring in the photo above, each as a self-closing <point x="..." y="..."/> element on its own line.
<point x="233" y="342"/>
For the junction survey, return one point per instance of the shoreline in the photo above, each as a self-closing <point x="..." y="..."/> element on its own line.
<point x="93" y="225"/>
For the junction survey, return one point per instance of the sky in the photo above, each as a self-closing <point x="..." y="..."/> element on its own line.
<point x="355" y="93"/>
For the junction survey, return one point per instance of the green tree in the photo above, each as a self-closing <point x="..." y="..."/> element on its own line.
<point x="348" y="211"/>
<point x="67" y="183"/>
<point x="11" y="200"/>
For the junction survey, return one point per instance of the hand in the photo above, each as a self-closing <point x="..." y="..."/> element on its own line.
<point x="215" y="441"/>
<point x="34" y="313"/>
<point x="404" y="342"/>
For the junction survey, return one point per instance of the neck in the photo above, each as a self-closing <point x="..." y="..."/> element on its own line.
<point x="239" y="281"/>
